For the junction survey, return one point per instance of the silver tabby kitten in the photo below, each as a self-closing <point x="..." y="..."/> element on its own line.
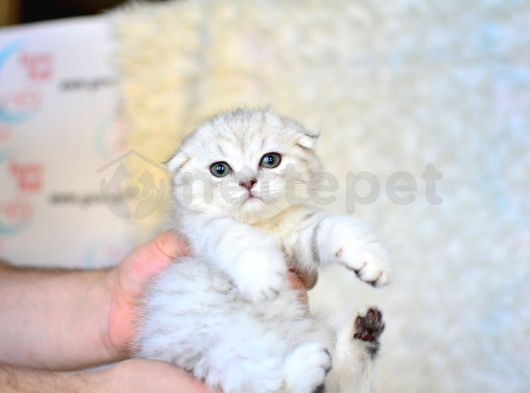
<point x="227" y="314"/>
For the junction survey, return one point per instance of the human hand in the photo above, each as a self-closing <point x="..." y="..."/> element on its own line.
<point x="298" y="284"/>
<point x="143" y="376"/>
<point x="125" y="286"/>
<point x="126" y="283"/>
<point x="131" y="376"/>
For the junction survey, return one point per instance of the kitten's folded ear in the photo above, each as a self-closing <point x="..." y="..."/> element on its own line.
<point x="307" y="139"/>
<point x="177" y="162"/>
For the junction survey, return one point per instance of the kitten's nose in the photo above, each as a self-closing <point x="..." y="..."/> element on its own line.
<point x="248" y="184"/>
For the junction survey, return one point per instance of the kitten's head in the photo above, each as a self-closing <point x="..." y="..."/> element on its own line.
<point x="249" y="164"/>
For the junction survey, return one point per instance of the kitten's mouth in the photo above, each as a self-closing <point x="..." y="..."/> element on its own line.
<point x="252" y="197"/>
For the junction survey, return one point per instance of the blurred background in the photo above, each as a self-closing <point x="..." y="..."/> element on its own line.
<point x="91" y="106"/>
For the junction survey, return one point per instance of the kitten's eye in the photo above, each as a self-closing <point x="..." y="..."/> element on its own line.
<point x="220" y="169"/>
<point x="270" y="160"/>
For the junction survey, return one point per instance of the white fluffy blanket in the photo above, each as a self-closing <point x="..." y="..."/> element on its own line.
<point x="393" y="86"/>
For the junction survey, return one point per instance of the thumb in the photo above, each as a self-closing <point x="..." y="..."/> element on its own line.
<point x="151" y="258"/>
<point x="168" y="244"/>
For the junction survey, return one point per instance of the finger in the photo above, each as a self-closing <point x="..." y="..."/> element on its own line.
<point x="149" y="260"/>
<point x="153" y="257"/>
<point x="309" y="279"/>
<point x="295" y="280"/>
<point x="171" y="245"/>
<point x="297" y="284"/>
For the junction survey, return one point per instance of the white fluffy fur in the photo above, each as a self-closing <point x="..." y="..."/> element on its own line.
<point x="227" y="314"/>
<point x="394" y="85"/>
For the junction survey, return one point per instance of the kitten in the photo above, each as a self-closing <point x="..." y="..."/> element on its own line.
<point x="227" y="314"/>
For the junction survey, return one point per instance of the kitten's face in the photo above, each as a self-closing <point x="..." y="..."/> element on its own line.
<point x="247" y="164"/>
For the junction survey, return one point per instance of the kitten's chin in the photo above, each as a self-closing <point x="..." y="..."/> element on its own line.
<point x="255" y="209"/>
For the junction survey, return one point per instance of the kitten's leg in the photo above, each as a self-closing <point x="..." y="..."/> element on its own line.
<point x="344" y="240"/>
<point x="306" y="368"/>
<point x="251" y="258"/>
<point x="368" y="328"/>
<point x="241" y="366"/>
<point x="355" y="352"/>
<point x="318" y="238"/>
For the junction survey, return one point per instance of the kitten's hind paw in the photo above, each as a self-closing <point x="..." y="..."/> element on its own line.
<point x="368" y="327"/>
<point x="307" y="367"/>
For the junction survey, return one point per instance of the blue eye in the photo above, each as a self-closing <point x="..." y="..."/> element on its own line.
<point x="220" y="169"/>
<point x="270" y="160"/>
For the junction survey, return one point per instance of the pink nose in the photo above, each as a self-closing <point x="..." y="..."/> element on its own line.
<point x="248" y="184"/>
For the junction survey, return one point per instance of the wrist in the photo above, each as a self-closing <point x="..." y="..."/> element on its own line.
<point x="109" y="302"/>
<point x="91" y="381"/>
<point x="22" y="380"/>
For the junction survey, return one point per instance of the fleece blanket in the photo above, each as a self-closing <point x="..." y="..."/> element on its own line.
<point x="424" y="113"/>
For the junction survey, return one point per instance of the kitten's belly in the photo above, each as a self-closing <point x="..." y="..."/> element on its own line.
<point x="192" y="308"/>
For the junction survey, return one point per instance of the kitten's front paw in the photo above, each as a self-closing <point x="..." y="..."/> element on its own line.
<point x="358" y="250"/>
<point x="262" y="275"/>
<point x="370" y="263"/>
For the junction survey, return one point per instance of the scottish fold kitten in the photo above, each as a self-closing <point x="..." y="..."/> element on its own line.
<point x="227" y="314"/>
